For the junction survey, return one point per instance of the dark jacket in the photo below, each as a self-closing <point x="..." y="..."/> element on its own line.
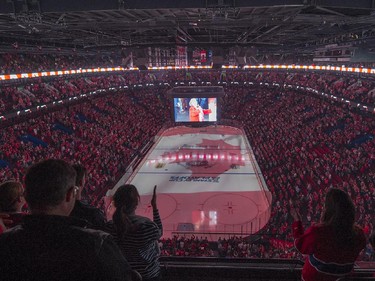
<point x="59" y="248"/>
<point x="94" y="216"/>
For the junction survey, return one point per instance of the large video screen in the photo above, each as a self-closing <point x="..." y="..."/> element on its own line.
<point x="195" y="109"/>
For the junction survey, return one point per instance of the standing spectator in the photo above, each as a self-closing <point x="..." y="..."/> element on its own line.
<point x="81" y="210"/>
<point x="51" y="245"/>
<point x="334" y="244"/>
<point x="137" y="236"/>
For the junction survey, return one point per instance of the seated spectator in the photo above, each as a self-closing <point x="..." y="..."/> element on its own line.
<point x="4" y="219"/>
<point x="12" y="201"/>
<point x="334" y="244"/>
<point x="137" y="236"/>
<point x="49" y="244"/>
<point x="81" y="210"/>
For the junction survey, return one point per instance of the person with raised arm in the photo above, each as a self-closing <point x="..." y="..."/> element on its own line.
<point x="333" y="245"/>
<point x="137" y="236"/>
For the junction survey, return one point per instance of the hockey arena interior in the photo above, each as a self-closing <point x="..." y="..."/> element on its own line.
<point x="238" y="111"/>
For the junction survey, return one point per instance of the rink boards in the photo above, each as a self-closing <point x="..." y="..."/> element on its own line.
<point x="207" y="182"/>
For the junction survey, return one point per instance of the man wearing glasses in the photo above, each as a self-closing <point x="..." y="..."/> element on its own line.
<point x="94" y="216"/>
<point x="50" y="245"/>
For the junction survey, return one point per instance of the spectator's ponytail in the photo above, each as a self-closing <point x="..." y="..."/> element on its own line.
<point x="126" y="200"/>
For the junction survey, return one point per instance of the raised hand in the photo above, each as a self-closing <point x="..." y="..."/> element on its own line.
<point x="153" y="200"/>
<point x="294" y="212"/>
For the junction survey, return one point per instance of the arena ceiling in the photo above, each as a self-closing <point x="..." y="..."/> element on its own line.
<point x="266" y="25"/>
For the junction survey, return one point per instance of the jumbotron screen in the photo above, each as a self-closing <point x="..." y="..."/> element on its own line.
<point x="196" y="104"/>
<point x="195" y="109"/>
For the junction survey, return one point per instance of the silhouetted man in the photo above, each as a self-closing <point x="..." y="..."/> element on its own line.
<point x="81" y="210"/>
<point x="50" y="245"/>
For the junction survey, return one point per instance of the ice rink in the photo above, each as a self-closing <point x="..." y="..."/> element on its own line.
<point x="208" y="182"/>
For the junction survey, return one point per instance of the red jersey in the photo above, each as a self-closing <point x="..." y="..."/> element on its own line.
<point x="326" y="259"/>
<point x="196" y="114"/>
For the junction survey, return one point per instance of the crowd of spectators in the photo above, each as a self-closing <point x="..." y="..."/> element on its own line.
<point x="352" y="88"/>
<point x="304" y="145"/>
<point x="11" y="63"/>
<point x="41" y="92"/>
<point x="230" y="247"/>
<point x="112" y="129"/>
<point x="38" y="91"/>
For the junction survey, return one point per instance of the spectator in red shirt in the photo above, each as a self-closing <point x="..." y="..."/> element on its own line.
<point x="333" y="245"/>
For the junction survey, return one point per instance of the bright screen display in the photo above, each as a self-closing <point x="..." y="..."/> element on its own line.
<point x="194" y="109"/>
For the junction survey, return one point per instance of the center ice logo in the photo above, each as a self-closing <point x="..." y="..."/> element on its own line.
<point x="210" y="158"/>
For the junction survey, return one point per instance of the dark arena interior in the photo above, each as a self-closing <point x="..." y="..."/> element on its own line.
<point x="90" y="82"/>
